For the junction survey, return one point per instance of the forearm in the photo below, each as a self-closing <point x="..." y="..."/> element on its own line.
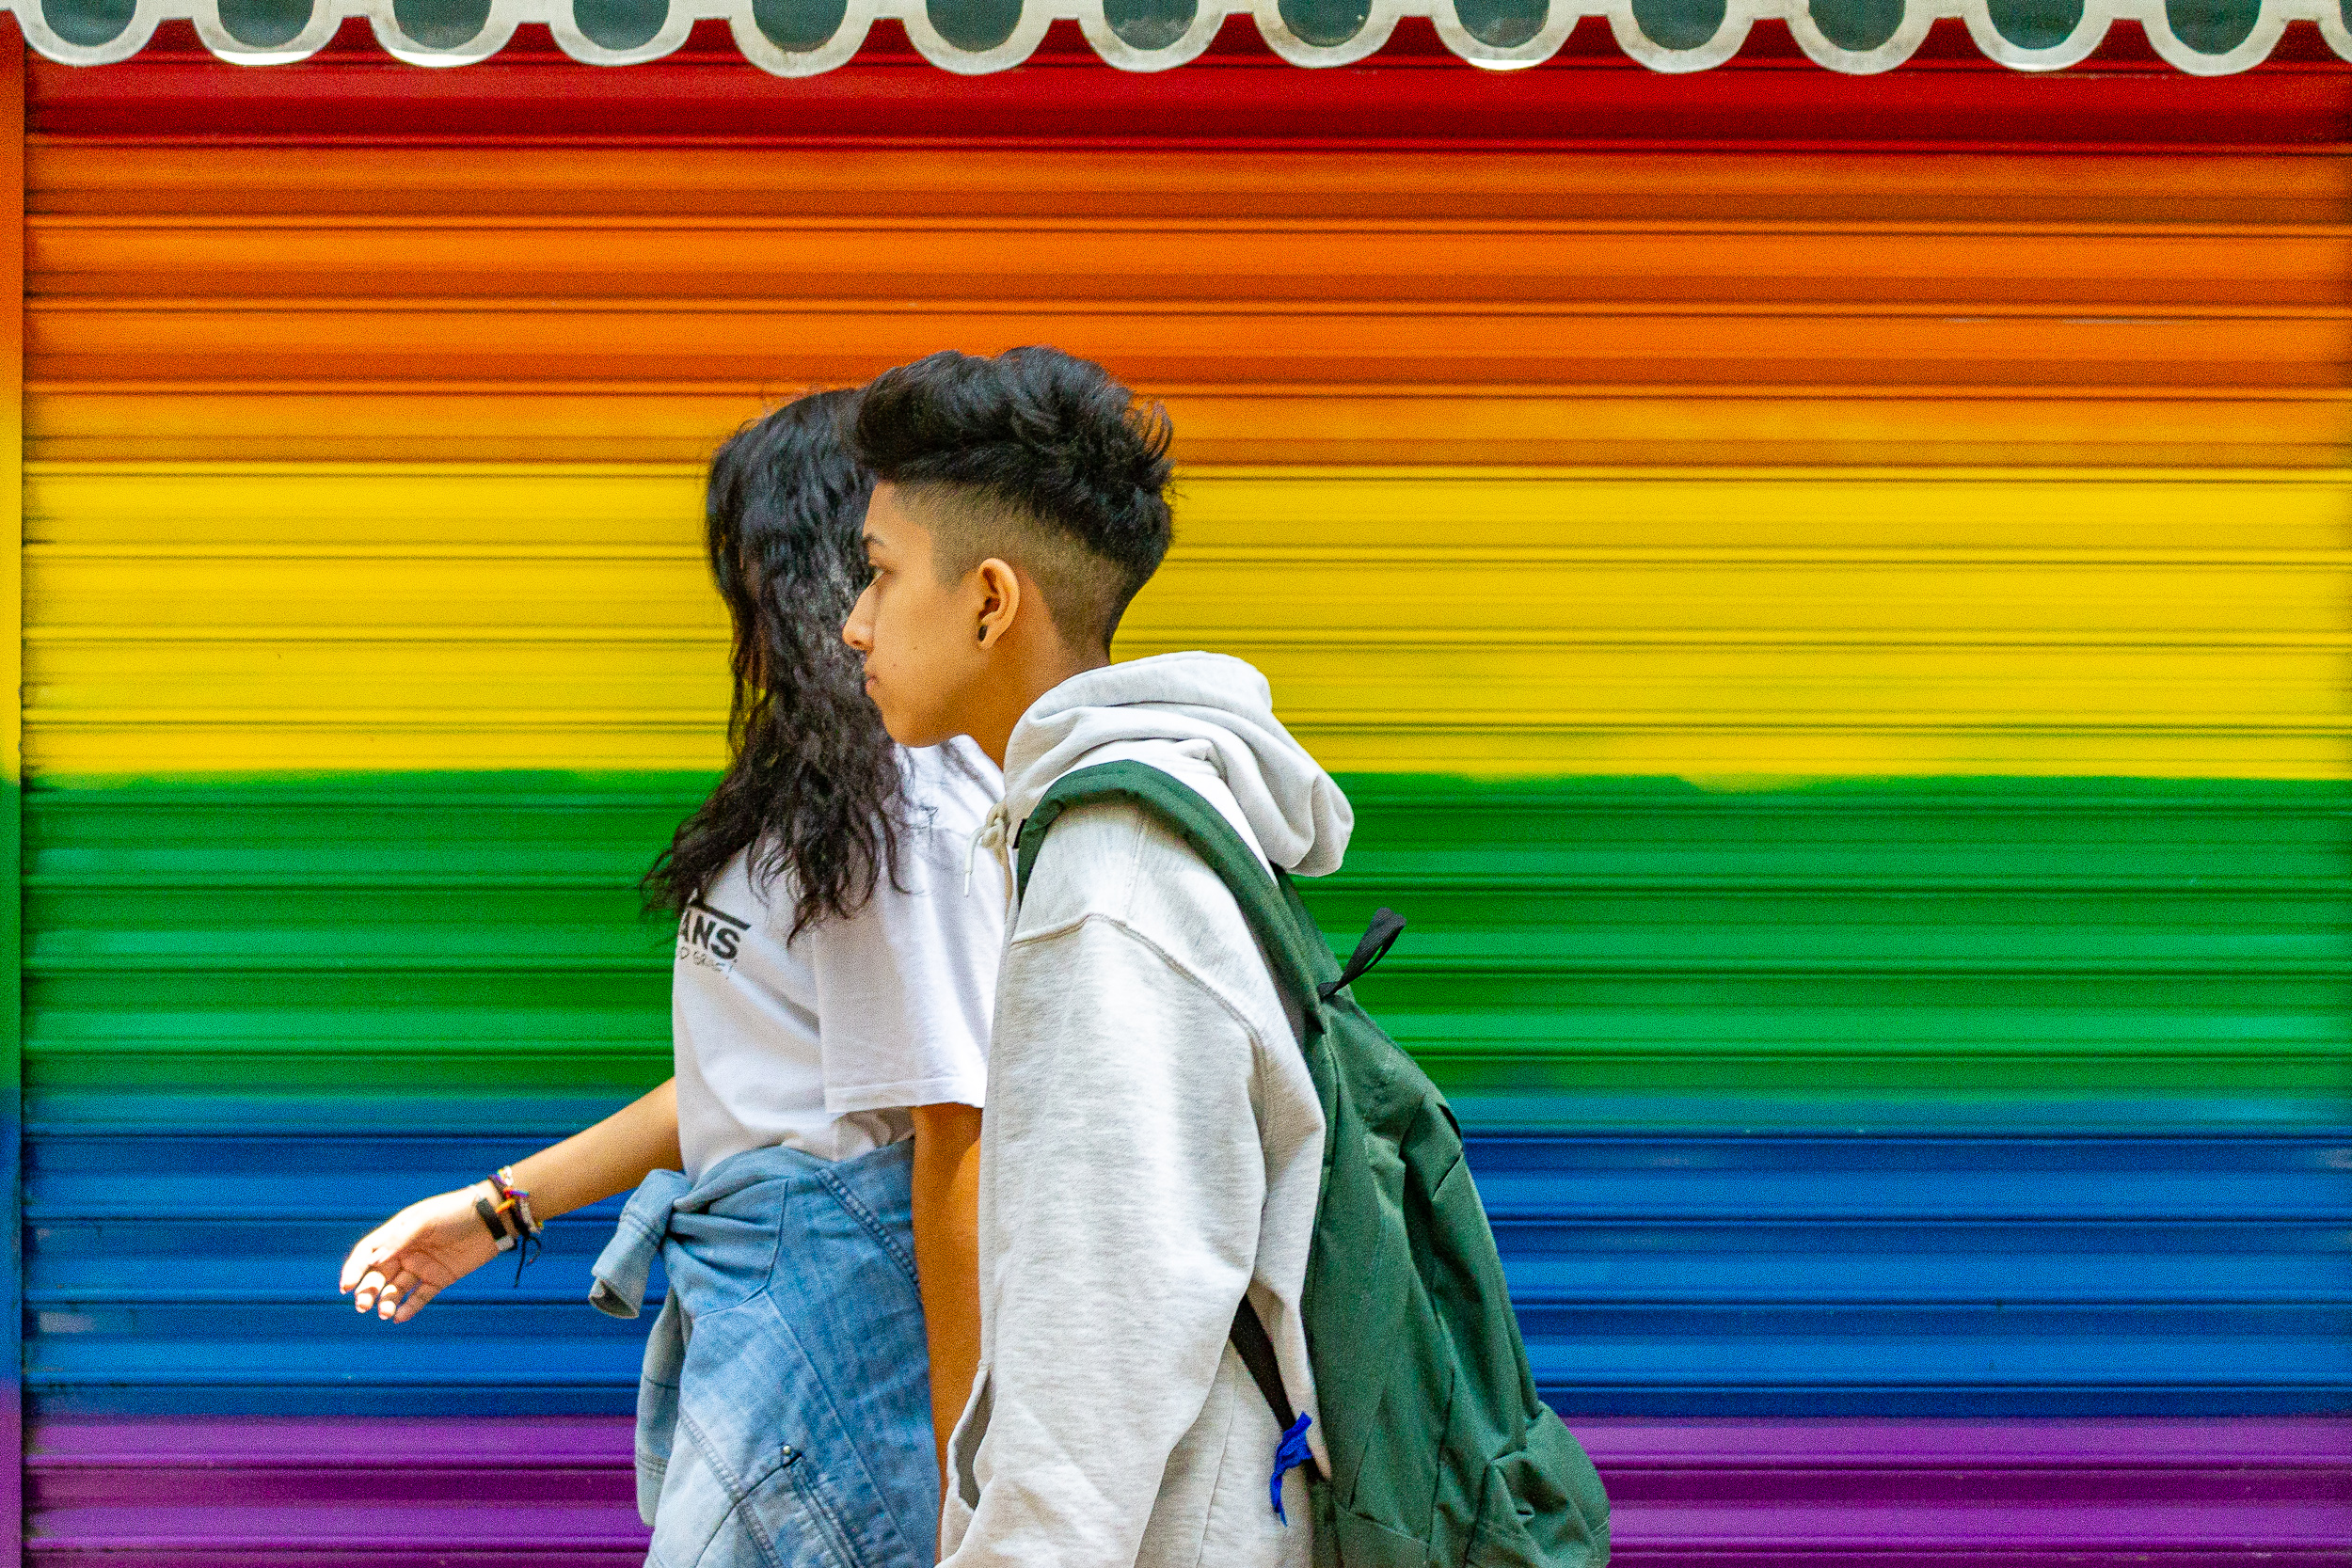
<point x="434" y="1243"/>
<point x="614" y="1156"/>
<point x="947" y="1256"/>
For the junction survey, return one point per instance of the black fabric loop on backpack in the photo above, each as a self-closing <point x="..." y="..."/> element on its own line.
<point x="1387" y="926"/>
<point x="1256" y="1349"/>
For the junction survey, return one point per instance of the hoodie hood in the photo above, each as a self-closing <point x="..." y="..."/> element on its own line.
<point x="1212" y="709"/>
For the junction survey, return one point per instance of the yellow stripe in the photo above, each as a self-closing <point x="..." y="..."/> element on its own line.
<point x="394" y="506"/>
<point x="390" y="506"/>
<point x="233" y="618"/>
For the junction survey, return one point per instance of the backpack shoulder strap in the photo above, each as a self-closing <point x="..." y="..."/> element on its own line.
<point x="1271" y="909"/>
<point x="1277" y="919"/>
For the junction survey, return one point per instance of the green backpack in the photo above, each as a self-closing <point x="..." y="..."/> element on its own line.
<point x="1442" y="1453"/>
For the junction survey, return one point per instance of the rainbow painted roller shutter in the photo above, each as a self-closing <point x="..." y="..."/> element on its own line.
<point x="1851" y="696"/>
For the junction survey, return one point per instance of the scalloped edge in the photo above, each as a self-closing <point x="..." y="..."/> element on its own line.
<point x="1036" y="15"/>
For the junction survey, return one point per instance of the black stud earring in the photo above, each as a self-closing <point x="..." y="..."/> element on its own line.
<point x="983" y="636"/>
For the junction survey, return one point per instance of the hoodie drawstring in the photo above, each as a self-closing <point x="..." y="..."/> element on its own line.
<point x="988" y="836"/>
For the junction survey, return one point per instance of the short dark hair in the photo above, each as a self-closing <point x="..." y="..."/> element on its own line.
<point x="1036" y="451"/>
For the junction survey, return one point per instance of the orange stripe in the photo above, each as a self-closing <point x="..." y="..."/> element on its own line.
<point x="1532" y="261"/>
<point x="654" y="342"/>
<point x="1399" y="307"/>
<point x="69" y="176"/>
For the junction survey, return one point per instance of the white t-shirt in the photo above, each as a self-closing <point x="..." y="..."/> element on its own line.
<point x="824" y="1042"/>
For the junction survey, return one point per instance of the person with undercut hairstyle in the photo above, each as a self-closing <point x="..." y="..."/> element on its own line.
<point x="1153" y="1146"/>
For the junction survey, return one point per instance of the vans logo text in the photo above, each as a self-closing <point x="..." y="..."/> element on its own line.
<point x="707" y="938"/>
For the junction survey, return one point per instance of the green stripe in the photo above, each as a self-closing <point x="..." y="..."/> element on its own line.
<point x="453" y="950"/>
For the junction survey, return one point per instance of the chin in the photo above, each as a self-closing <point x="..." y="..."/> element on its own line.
<point x="910" y="732"/>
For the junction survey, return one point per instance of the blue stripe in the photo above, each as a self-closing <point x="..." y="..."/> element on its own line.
<point x="1667" y="1276"/>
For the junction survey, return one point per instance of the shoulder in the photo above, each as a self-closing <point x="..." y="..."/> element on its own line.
<point x="1123" y="857"/>
<point x="1087" y="865"/>
<point x="1117" y="862"/>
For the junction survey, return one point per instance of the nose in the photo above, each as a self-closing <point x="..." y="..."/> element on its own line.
<point x="858" y="630"/>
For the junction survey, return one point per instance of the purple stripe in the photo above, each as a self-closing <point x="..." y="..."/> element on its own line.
<point x="181" y="1526"/>
<point x="159" y="1493"/>
<point x="457" y="1555"/>
<point x="135" y="1440"/>
<point x="402" y="1494"/>
<point x="1628" y="1557"/>
<point x="1991" y="1521"/>
<point x="2322" y="1442"/>
<point x="1643" y="1556"/>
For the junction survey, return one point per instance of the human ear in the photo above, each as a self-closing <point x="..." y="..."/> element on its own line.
<point x="1000" y="601"/>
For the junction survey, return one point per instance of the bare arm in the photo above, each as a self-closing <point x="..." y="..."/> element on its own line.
<point x="430" y="1245"/>
<point x="947" y="1256"/>
<point x="611" y="1157"/>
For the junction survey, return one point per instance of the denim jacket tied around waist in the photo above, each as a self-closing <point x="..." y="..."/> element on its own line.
<point x="784" y="1414"/>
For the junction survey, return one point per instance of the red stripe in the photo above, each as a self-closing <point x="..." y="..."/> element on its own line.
<point x="1411" y="94"/>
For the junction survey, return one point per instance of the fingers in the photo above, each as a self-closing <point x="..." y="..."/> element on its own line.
<point x="370" y="1286"/>
<point x="363" y="1256"/>
<point x="380" y="1251"/>
<point x="385" y="1296"/>
<point x="387" y="1241"/>
<point x="414" y="1302"/>
<point x="388" y="1300"/>
<point x="383" y="1274"/>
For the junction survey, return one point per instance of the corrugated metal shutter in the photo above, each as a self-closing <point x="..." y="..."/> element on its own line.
<point x="1837" y="632"/>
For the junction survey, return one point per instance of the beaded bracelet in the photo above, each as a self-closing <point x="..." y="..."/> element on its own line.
<point x="503" y="1180"/>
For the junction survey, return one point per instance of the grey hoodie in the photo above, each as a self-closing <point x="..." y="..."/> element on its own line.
<point x="1153" y="1148"/>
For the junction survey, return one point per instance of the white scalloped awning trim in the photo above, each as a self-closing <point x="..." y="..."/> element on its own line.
<point x="1739" y="15"/>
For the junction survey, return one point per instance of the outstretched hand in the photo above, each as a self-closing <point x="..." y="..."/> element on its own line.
<point x="417" y="1254"/>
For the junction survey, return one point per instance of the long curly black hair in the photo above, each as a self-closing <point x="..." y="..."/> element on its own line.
<point x="814" y="786"/>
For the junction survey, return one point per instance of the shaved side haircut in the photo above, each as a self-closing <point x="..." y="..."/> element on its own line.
<point x="1034" y="456"/>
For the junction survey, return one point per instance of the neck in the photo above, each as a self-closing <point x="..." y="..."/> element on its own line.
<point x="1027" y="674"/>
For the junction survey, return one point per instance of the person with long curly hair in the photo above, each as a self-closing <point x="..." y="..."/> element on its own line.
<point x="807" y="1178"/>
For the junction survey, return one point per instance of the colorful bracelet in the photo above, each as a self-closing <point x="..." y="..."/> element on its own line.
<point x="511" y="1218"/>
<point x="503" y="1180"/>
